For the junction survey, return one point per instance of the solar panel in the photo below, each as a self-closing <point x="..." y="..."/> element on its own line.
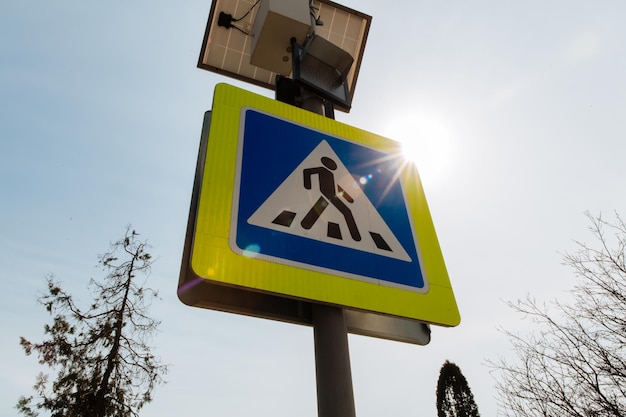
<point x="227" y="51"/>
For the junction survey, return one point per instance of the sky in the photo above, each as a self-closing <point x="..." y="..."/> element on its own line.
<point x="515" y="112"/>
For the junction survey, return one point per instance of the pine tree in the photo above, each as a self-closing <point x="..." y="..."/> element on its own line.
<point x="103" y="363"/>
<point x="454" y="396"/>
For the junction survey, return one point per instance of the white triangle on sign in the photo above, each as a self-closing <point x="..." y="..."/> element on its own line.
<point x="320" y="200"/>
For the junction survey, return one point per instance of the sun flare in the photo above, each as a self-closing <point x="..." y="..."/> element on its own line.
<point x="425" y="142"/>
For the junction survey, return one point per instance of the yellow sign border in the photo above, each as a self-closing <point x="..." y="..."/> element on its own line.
<point x="213" y="260"/>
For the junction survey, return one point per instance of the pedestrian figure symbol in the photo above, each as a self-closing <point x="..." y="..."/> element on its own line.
<point x="330" y="194"/>
<point x="319" y="199"/>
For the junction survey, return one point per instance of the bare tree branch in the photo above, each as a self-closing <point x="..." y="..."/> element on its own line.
<point x="574" y="363"/>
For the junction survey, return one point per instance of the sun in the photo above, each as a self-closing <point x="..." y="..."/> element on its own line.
<point x="426" y="142"/>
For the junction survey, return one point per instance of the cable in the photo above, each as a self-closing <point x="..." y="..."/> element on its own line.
<point x="240" y="30"/>
<point x="226" y="19"/>
<point x="248" y="12"/>
<point x="315" y="14"/>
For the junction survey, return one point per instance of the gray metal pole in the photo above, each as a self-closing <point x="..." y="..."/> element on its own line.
<point x="313" y="104"/>
<point x="335" y="397"/>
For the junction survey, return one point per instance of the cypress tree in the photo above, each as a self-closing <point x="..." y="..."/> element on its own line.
<point x="454" y="396"/>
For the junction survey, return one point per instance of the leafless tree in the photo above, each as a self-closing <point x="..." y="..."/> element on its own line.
<point x="574" y="364"/>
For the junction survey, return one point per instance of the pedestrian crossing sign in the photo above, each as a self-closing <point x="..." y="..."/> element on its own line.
<point x="301" y="206"/>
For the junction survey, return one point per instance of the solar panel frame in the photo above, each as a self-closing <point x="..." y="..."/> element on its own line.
<point x="227" y="51"/>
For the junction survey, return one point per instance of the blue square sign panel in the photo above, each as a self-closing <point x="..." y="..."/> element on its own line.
<point x="316" y="201"/>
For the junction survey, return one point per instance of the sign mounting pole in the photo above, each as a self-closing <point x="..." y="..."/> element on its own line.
<point x="333" y="375"/>
<point x="335" y="397"/>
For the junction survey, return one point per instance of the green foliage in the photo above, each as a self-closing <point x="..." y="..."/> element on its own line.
<point x="454" y="396"/>
<point x="101" y="357"/>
